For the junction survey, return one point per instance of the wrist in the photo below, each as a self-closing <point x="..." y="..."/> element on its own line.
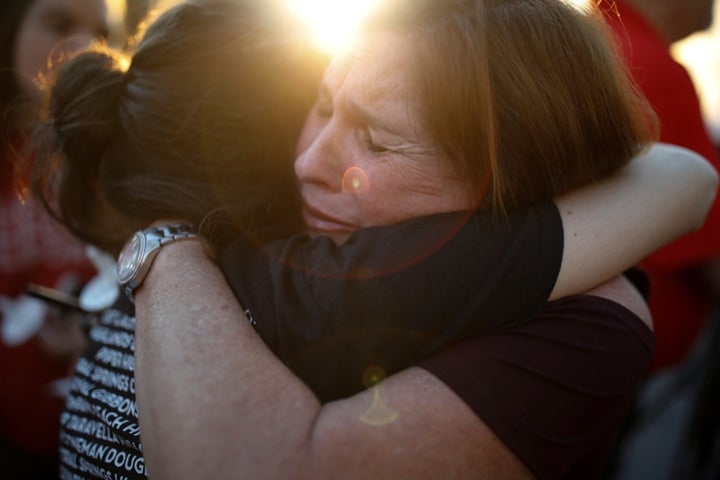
<point x="138" y="254"/>
<point x="172" y="262"/>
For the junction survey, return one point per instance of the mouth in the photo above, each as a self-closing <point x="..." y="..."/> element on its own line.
<point x="323" y="222"/>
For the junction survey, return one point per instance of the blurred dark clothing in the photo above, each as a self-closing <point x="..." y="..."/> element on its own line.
<point x="557" y="390"/>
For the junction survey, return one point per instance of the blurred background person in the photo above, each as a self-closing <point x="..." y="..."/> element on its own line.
<point x="39" y="343"/>
<point x="682" y="294"/>
<point x="674" y="429"/>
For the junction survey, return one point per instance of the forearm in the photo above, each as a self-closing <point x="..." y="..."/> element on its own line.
<point x="203" y="372"/>
<point x="214" y="402"/>
<point x="615" y="223"/>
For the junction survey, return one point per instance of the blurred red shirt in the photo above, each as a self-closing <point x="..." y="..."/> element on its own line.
<point x="33" y="249"/>
<point x="680" y="300"/>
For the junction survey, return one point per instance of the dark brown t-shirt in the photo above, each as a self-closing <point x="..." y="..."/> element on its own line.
<point x="556" y="390"/>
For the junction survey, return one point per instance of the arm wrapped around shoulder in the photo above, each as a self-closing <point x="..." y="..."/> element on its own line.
<point x="616" y="222"/>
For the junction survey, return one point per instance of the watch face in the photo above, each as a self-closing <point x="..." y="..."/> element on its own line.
<point x="130" y="257"/>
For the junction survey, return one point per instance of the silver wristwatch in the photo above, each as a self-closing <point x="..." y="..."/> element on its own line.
<point x="140" y="250"/>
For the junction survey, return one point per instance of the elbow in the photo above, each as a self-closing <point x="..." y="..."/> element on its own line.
<point x="694" y="183"/>
<point x="711" y="192"/>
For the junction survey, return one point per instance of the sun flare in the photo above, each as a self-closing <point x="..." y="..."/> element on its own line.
<point x="334" y="22"/>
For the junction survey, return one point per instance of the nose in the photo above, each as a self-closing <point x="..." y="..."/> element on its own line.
<point x="321" y="163"/>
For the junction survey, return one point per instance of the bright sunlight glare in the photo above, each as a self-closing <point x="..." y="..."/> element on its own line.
<point x="116" y="11"/>
<point x="334" y="22"/>
<point x="579" y="3"/>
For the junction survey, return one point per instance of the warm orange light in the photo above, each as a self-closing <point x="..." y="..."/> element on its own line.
<point x="333" y="21"/>
<point x="580" y="3"/>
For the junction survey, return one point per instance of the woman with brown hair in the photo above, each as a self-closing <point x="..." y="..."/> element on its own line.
<point x="146" y="154"/>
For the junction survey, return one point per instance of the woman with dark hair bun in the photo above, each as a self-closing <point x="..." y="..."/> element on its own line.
<point x="39" y="344"/>
<point x="200" y="125"/>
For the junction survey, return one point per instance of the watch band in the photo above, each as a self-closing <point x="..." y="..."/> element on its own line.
<point x="176" y="231"/>
<point x="141" y="249"/>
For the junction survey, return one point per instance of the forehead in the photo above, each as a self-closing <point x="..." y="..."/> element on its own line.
<point x="376" y="70"/>
<point x="89" y="12"/>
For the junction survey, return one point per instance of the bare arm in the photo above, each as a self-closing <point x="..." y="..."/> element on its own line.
<point x="215" y="403"/>
<point x="618" y="221"/>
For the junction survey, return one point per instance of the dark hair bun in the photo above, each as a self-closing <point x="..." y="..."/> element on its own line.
<point x="85" y="99"/>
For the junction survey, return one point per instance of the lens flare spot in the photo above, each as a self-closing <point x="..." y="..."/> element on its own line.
<point x="355" y="180"/>
<point x="373" y="375"/>
<point x="378" y="414"/>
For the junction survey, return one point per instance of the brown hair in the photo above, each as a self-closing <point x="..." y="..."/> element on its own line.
<point x="526" y="97"/>
<point x="201" y="125"/>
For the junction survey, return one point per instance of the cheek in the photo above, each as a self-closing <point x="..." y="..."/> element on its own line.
<point x="32" y="51"/>
<point x="393" y="196"/>
<point x="28" y="63"/>
<point x="383" y="196"/>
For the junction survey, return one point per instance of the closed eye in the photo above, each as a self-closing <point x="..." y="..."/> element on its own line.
<point x="370" y="144"/>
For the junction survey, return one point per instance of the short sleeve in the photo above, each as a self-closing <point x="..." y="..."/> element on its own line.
<point x="556" y="390"/>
